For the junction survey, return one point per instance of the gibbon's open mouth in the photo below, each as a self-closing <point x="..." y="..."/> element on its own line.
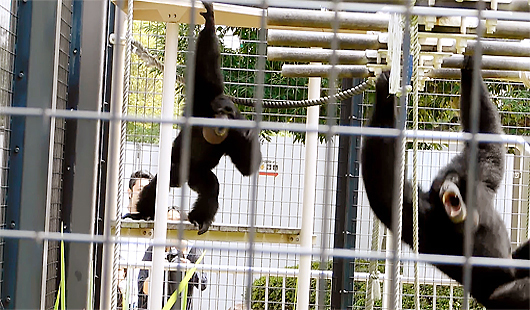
<point x="453" y="203"/>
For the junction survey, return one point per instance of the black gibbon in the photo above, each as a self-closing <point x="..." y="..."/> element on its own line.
<point x="208" y="145"/>
<point x="442" y="210"/>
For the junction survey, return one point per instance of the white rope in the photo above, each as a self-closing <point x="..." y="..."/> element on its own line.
<point x="415" y="45"/>
<point x="398" y="233"/>
<point x="121" y="175"/>
<point x="373" y="289"/>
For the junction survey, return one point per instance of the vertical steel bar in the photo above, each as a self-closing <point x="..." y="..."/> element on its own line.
<point x="185" y="130"/>
<point x="308" y="202"/>
<point x="387" y="285"/>
<point x="163" y="176"/>
<point x="330" y="121"/>
<point x="111" y="197"/>
<point x="473" y="153"/>
<point x="397" y="209"/>
<point x="260" y="91"/>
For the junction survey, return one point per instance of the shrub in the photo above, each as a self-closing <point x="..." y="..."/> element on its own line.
<point x="275" y="287"/>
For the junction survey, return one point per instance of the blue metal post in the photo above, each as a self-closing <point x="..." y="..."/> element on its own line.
<point x="346" y="201"/>
<point x="16" y="147"/>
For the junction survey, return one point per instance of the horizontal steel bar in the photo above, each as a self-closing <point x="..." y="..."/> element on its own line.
<point x="360" y="71"/>
<point x="228" y="268"/>
<point x="344" y="253"/>
<point x="287" y="272"/>
<point x="323" y="39"/>
<point x="454" y="74"/>
<point x="500" y="48"/>
<point x="295" y="127"/>
<point x="341" y="71"/>
<point x="316" y="55"/>
<point x="491" y="62"/>
<point x="325" y="19"/>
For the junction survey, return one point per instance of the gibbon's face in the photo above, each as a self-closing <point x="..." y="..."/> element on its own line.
<point x="133" y="194"/>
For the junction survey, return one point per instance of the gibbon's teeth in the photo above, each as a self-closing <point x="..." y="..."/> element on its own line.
<point x="454" y="207"/>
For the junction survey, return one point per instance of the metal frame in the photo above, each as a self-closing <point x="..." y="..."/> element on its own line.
<point x="33" y="88"/>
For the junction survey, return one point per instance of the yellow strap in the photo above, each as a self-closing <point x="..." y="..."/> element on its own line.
<point x="182" y="285"/>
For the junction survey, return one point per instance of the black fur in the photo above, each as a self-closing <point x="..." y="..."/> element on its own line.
<point x="208" y="101"/>
<point x="437" y="233"/>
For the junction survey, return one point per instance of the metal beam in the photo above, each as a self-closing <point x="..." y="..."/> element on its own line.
<point x="103" y="156"/>
<point x="507" y="29"/>
<point x="323" y="39"/>
<point x="86" y="137"/>
<point x="322" y="20"/>
<point x="233" y="233"/>
<point x="343" y="71"/>
<point x="499" y="48"/>
<point x="316" y="55"/>
<point x="325" y="19"/>
<point x="454" y="74"/>
<point x="502" y="63"/>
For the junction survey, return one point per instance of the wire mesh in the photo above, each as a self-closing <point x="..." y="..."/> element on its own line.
<point x="8" y="19"/>
<point x="278" y="200"/>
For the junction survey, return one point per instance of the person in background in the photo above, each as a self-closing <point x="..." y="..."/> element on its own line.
<point x="138" y="180"/>
<point x="132" y="252"/>
<point x="186" y="254"/>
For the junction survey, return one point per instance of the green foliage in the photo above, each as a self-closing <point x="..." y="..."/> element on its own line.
<point x="273" y="289"/>
<point x="438" y="107"/>
<point x="442" y="299"/>
<point x="363" y="265"/>
<point x="514" y="106"/>
<point x="275" y="285"/>
<point x="145" y="97"/>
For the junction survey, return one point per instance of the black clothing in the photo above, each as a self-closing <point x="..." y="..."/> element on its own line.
<point x="173" y="277"/>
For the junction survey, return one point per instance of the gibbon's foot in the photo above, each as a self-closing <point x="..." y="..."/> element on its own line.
<point x="203" y="225"/>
